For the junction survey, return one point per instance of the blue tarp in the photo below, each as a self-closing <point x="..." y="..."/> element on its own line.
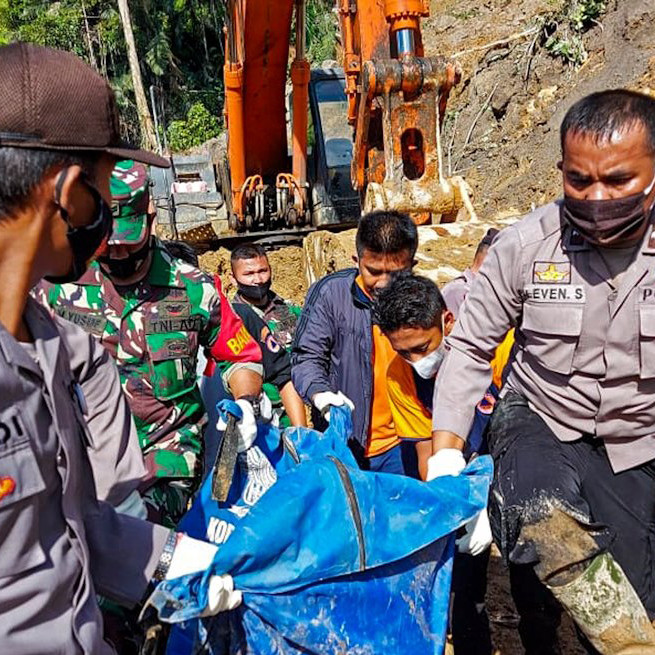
<point x="330" y="559"/>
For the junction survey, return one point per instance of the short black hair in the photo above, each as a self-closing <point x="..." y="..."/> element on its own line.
<point x="247" y="251"/>
<point x="605" y="112"/>
<point x="182" y="250"/>
<point x="386" y="233"/>
<point x="22" y="169"/>
<point x="409" y="300"/>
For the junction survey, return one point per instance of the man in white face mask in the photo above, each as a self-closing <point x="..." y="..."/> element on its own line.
<point x="412" y="313"/>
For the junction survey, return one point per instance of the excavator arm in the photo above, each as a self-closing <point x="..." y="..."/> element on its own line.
<point x="258" y="34"/>
<point x="396" y="103"/>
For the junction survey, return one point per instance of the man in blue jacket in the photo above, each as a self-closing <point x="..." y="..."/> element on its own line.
<point x="339" y="354"/>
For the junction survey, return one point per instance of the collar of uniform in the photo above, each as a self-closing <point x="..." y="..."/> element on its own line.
<point x="43" y="332"/>
<point x="92" y="276"/>
<point x="649" y="243"/>
<point x="572" y="240"/>
<point x="163" y="270"/>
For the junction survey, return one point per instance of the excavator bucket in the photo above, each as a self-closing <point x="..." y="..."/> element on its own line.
<point x="409" y="95"/>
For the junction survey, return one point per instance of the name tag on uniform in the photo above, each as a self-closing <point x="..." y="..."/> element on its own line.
<point x="555" y="293"/>
<point x="164" y="325"/>
<point x="94" y="323"/>
<point x="11" y="429"/>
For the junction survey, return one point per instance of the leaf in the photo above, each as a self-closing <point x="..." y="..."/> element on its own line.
<point x="159" y="55"/>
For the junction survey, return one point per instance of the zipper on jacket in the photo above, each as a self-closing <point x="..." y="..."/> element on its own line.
<point x="354" y="508"/>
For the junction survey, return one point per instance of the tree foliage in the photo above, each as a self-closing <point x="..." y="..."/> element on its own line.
<point x="180" y="45"/>
<point x="198" y="127"/>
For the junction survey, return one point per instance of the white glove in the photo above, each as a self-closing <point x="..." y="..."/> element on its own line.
<point x="246" y="425"/>
<point x="326" y="399"/>
<point x="478" y="535"/>
<point x="265" y="408"/>
<point x="192" y="555"/>
<point x="447" y="461"/>
<point x="221" y="595"/>
<point x="477" y="538"/>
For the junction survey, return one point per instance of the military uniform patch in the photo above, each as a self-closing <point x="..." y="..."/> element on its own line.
<point x="551" y="273"/>
<point x="177" y="348"/>
<point x="174" y="308"/>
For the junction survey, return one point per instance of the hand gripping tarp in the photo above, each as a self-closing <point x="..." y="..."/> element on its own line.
<point x="330" y="559"/>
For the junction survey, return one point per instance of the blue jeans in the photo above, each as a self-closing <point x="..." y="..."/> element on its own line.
<point x="401" y="459"/>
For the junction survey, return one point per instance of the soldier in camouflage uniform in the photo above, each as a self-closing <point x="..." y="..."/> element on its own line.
<point x="152" y="312"/>
<point x="251" y="273"/>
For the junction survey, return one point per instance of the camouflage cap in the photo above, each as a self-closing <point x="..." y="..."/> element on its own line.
<point x="130" y="194"/>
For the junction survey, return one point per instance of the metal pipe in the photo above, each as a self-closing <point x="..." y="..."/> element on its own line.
<point x="301" y="37"/>
<point x="406" y="42"/>
<point x="233" y="76"/>
<point x="300" y="74"/>
<point x="155" y="117"/>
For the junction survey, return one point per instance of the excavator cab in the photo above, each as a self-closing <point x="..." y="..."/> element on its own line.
<point x="333" y="199"/>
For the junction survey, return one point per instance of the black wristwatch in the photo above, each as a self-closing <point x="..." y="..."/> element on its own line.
<point x="166" y="556"/>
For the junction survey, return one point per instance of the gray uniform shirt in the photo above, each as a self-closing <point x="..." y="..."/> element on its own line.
<point x="59" y="544"/>
<point x="455" y="291"/>
<point x="585" y="343"/>
<point x="115" y="454"/>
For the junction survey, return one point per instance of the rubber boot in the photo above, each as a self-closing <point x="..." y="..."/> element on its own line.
<point x="607" y="609"/>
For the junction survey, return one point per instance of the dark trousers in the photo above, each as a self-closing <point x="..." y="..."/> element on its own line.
<point x="541" y="482"/>
<point x="401" y="460"/>
<point x="469" y="620"/>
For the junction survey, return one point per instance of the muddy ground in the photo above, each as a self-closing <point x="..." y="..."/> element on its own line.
<point x="501" y="133"/>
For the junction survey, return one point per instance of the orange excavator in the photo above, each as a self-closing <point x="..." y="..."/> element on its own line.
<point x="364" y="136"/>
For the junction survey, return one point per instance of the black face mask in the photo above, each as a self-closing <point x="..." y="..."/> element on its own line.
<point x="256" y="293"/>
<point x="88" y="241"/>
<point x="121" y="269"/>
<point x="608" y="222"/>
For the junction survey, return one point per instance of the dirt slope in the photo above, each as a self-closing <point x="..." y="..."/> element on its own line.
<point x="502" y="129"/>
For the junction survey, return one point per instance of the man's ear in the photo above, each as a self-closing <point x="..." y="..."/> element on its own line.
<point x="356" y="260"/>
<point x="233" y="280"/>
<point x="73" y="195"/>
<point x="560" y="164"/>
<point x="448" y="322"/>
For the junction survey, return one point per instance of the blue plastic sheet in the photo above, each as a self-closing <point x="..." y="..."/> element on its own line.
<point x="330" y="559"/>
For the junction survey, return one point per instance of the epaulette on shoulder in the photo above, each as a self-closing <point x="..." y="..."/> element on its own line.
<point x="539" y="224"/>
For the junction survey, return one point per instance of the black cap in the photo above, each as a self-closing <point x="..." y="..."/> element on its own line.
<point x="52" y="100"/>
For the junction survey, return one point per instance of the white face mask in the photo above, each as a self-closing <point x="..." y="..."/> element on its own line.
<point x="428" y="366"/>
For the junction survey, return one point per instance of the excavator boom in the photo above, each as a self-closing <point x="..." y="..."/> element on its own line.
<point x="396" y="100"/>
